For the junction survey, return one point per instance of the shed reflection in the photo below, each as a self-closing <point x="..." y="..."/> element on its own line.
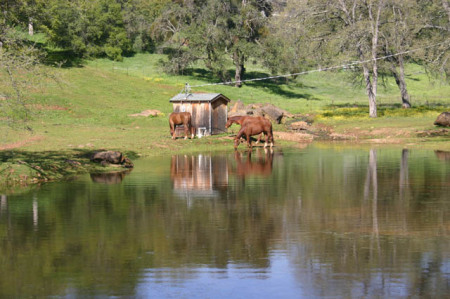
<point x="200" y="175"/>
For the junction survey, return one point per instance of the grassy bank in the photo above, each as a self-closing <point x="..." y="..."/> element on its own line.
<point x="88" y="109"/>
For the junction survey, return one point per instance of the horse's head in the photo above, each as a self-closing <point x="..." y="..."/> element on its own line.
<point x="229" y="123"/>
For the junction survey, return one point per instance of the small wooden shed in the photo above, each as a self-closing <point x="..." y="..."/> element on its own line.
<point x="208" y="110"/>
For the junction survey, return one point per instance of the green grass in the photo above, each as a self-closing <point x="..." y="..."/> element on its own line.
<point x="88" y="107"/>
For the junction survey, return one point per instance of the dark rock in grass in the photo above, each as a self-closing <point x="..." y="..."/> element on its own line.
<point x="443" y="120"/>
<point x="111" y="157"/>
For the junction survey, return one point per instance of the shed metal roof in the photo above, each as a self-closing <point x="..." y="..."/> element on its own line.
<point x="197" y="97"/>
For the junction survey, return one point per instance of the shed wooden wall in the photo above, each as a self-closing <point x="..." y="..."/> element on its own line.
<point x="199" y="111"/>
<point x="212" y="116"/>
<point x="219" y="116"/>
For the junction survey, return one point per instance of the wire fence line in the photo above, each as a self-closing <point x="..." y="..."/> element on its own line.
<point x="346" y="65"/>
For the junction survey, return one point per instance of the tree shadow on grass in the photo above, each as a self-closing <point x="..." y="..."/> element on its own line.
<point x="273" y="85"/>
<point x="63" y="58"/>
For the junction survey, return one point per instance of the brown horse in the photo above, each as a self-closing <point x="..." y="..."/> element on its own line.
<point x="252" y="127"/>
<point x="239" y="119"/>
<point x="181" y="118"/>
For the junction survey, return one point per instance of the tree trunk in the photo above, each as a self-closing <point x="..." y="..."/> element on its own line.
<point x="401" y="83"/>
<point x="371" y="85"/>
<point x="370" y="92"/>
<point x="238" y="59"/>
<point x="30" y="27"/>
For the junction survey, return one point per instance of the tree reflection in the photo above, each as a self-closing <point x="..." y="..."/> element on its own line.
<point x="350" y="222"/>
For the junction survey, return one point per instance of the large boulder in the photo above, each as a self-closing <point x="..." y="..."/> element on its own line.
<point x="443" y="120"/>
<point x="273" y="113"/>
<point x="111" y="157"/>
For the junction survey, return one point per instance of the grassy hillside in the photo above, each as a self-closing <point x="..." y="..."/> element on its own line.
<point x="88" y="109"/>
<point x="90" y="104"/>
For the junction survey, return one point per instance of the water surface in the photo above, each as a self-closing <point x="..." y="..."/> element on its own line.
<point x="315" y="222"/>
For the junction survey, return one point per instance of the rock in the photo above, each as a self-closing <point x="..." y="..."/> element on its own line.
<point x="237" y="106"/>
<point x="146" y="113"/>
<point x="299" y="125"/>
<point x="111" y="157"/>
<point x="443" y="120"/>
<point x="273" y="113"/>
<point x="237" y="113"/>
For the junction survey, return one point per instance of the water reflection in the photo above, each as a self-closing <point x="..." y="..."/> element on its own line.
<point x="247" y="166"/>
<point x="198" y="175"/>
<point x="443" y="155"/>
<point x="315" y="223"/>
<point x="109" y="178"/>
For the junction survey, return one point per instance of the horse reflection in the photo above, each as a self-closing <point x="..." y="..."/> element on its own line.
<point x="442" y="155"/>
<point x="261" y="166"/>
<point x="109" y="178"/>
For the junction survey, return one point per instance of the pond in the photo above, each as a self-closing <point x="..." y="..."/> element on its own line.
<point x="323" y="221"/>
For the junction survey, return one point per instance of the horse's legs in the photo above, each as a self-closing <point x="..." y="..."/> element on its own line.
<point x="172" y="129"/>
<point x="249" y="141"/>
<point x="186" y="131"/>
<point x="259" y="138"/>
<point x="237" y="139"/>
<point x="270" y="137"/>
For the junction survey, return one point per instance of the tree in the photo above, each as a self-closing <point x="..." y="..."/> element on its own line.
<point x="435" y="30"/>
<point x="347" y="29"/>
<point x="325" y="32"/>
<point x="20" y="69"/>
<point x="398" y="37"/>
<point x="139" y="16"/>
<point x="214" y="31"/>
<point x="88" y="28"/>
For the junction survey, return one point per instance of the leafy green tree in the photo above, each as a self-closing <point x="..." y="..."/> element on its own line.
<point x="139" y="16"/>
<point x="23" y="13"/>
<point x="213" y="32"/>
<point x="20" y="69"/>
<point x="88" y="28"/>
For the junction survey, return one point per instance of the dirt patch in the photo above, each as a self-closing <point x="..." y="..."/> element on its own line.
<point x="434" y="133"/>
<point x="146" y="113"/>
<point x="293" y="136"/>
<point x="48" y="107"/>
<point x="20" y="143"/>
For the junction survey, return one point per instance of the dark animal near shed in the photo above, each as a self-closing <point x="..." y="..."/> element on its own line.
<point x="255" y="126"/>
<point x="178" y="119"/>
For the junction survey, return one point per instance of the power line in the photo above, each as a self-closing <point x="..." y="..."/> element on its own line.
<point x="347" y="65"/>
